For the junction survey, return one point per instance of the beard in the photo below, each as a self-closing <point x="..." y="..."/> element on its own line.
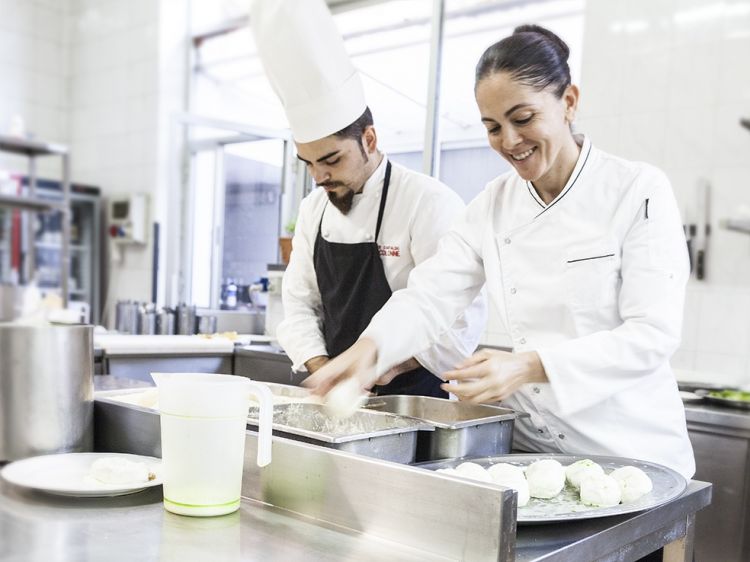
<point x="342" y="202"/>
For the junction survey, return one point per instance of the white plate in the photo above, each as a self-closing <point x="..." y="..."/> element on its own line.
<point x="68" y="474"/>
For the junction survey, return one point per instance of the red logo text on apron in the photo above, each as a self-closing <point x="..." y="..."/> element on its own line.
<point x="389" y="251"/>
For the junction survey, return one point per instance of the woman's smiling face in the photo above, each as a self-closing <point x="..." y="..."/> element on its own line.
<point x="530" y="128"/>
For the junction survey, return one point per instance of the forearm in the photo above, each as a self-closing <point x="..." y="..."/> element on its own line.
<point x="316" y="363"/>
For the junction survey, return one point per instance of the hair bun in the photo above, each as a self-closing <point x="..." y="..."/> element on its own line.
<point x="553" y="39"/>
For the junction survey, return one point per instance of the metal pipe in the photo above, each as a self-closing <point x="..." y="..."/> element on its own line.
<point x="430" y="156"/>
<point x="66" y="217"/>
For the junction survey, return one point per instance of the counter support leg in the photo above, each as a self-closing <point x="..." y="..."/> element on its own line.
<point x="681" y="550"/>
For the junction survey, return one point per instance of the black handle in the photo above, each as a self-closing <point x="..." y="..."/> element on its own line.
<point x="700" y="264"/>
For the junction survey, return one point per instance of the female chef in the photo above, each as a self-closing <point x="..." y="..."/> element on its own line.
<point x="585" y="262"/>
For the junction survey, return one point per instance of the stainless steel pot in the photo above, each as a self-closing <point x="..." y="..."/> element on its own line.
<point x="11" y="301"/>
<point x="46" y="390"/>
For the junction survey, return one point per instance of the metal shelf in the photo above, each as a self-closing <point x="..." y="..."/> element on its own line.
<point x="30" y="147"/>
<point x="30" y="203"/>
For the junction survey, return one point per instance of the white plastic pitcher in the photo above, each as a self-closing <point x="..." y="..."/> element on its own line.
<point x="203" y="423"/>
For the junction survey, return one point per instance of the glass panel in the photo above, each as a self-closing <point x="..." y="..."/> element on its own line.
<point x="203" y="191"/>
<point x="252" y="210"/>
<point x="391" y="49"/>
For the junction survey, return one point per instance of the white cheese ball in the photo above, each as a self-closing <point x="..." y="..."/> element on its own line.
<point x="344" y="399"/>
<point x="474" y="471"/>
<point x="510" y="476"/>
<point x="546" y="478"/>
<point x="119" y="470"/>
<point x="580" y="470"/>
<point x="633" y="483"/>
<point x="600" y="490"/>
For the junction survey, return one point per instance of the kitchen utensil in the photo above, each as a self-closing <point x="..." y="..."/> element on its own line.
<point x="207" y="325"/>
<point x="668" y="484"/>
<point x="186" y="319"/>
<point x="165" y="322"/>
<point x="715" y="398"/>
<point x="372" y="434"/>
<point x="203" y="423"/>
<point x="46" y="390"/>
<point x="146" y="320"/>
<point x="126" y="317"/>
<point x="461" y="429"/>
<point x="69" y="474"/>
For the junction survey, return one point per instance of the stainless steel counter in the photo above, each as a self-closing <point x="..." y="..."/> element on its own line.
<point x="35" y="526"/>
<point x="730" y="418"/>
<point x="363" y="503"/>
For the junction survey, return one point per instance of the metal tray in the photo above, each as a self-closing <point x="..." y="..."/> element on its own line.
<point x="668" y="485"/>
<point x="718" y="401"/>
<point x="461" y="429"/>
<point x="373" y="434"/>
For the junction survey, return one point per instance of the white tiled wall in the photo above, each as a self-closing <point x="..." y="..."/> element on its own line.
<point x="671" y="92"/>
<point x="666" y="81"/>
<point x="34" y="74"/>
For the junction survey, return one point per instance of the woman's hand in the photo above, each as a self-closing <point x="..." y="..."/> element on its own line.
<point x="491" y="375"/>
<point x="357" y="361"/>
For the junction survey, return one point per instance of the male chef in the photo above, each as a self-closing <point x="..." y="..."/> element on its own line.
<point x="369" y="221"/>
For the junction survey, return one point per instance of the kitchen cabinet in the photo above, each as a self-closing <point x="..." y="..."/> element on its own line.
<point x="721" y="442"/>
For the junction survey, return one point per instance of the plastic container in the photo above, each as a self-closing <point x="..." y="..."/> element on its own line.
<point x="203" y="424"/>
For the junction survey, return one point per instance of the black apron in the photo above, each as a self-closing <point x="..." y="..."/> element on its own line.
<point x="353" y="287"/>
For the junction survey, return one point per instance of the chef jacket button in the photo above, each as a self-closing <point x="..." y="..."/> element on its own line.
<point x="522" y="341"/>
<point x="512" y="290"/>
<point x="507" y="240"/>
<point x="536" y="390"/>
<point x="540" y="430"/>
<point x="561" y="436"/>
<point x="326" y="234"/>
<point x="368" y="237"/>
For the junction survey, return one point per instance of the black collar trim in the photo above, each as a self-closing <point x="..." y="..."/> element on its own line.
<point x="564" y="193"/>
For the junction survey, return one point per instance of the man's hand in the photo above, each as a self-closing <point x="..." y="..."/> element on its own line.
<point x="316" y="363"/>
<point x="392" y="373"/>
<point x="491" y="375"/>
<point x="357" y="361"/>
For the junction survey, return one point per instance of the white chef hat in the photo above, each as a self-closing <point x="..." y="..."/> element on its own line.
<point x="305" y="60"/>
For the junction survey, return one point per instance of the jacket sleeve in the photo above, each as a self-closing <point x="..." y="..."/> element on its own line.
<point x="436" y="213"/>
<point x="301" y="331"/>
<point x="439" y="290"/>
<point x="587" y="370"/>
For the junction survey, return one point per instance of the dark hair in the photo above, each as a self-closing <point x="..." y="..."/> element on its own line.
<point x="356" y="129"/>
<point x="532" y="55"/>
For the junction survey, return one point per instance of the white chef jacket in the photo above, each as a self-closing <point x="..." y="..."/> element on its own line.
<point x="594" y="282"/>
<point x="418" y="211"/>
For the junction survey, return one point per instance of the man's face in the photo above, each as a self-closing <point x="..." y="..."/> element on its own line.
<point x="338" y="165"/>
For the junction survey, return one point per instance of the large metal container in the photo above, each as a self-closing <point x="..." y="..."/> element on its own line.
<point x="46" y="390"/>
<point x="461" y="429"/>
<point x="372" y="434"/>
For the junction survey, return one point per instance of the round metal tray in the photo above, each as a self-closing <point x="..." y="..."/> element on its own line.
<point x="717" y="401"/>
<point x="668" y="485"/>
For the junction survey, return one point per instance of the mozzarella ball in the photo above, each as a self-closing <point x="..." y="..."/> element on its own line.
<point x="580" y="470"/>
<point x="633" y="483"/>
<point x="474" y="471"/>
<point x="546" y="478"/>
<point x="344" y="399"/>
<point x="600" y="490"/>
<point x="510" y="476"/>
<point x="118" y="470"/>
